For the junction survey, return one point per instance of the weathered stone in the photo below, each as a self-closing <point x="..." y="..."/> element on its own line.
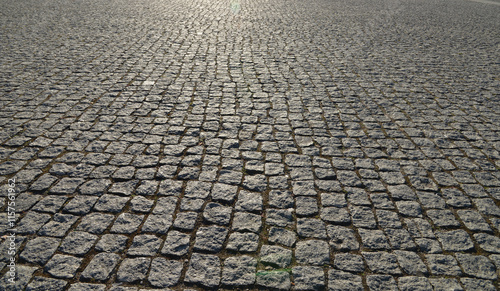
<point x="127" y="223"/>
<point x="275" y="256"/>
<point x="243" y="242"/>
<point x="443" y="265"/>
<point x="144" y="245"/>
<point x="274" y="279"/>
<point x="308" y="278"/>
<point x="161" y="279"/>
<point x="477" y="266"/>
<point x="101" y="266"/>
<point x="77" y="243"/>
<point x="112" y="243"/>
<point x="382" y="262"/>
<point x="210" y="238"/>
<point x="39" y="250"/>
<point x="176" y="244"/>
<point x="282" y="236"/>
<point x="133" y="270"/>
<point x="349" y="262"/>
<point x="339" y="280"/>
<point x="218" y="214"/>
<point x="61" y="266"/>
<point x="247" y="221"/>
<point x="312" y="252"/>
<point x="204" y="270"/>
<point x="239" y="271"/>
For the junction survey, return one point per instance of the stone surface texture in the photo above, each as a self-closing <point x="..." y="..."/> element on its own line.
<point x="250" y="145"/>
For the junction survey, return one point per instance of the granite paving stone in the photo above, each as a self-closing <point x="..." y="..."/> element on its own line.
<point x="133" y="269"/>
<point x="50" y="204"/>
<point x="349" y="262"/>
<point x="312" y="252"/>
<point x="244" y="221"/>
<point x="58" y="226"/>
<point x="282" y="236"/>
<point x="111" y="203"/>
<point x="185" y="220"/>
<point x="411" y="263"/>
<point x="22" y="277"/>
<point x="42" y="283"/>
<point x="62" y="266"/>
<point x="77" y="243"/>
<point x="340" y="280"/>
<point x="382" y="262"/>
<point x="279" y="217"/>
<point x="381" y="282"/>
<point x="144" y="245"/>
<point x="477" y="266"/>
<point x="32" y="222"/>
<point x="335" y="215"/>
<point x="373" y="239"/>
<point x="161" y="279"/>
<point x="127" y="223"/>
<point x="275" y="256"/>
<point x="455" y="240"/>
<point x="443" y="265"/>
<point x="442" y="284"/>
<point x="157" y="223"/>
<point x="165" y="205"/>
<point x="239" y="271"/>
<point x="308" y="278"/>
<point x="249" y="201"/>
<point x="414" y="283"/>
<point x="112" y="243"/>
<point x="400" y="239"/>
<point x="204" y="270"/>
<point x="217" y="213"/>
<point x="488" y="242"/>
<point x="80" y="205"/>
<point x="176" y="243"/>
<point x="95" y="223"/>
<point x="311" y="227"/>
<point x="40" y="249"/>
<point x="223" y="192"/>
<point x="210" y="238"/>
<point x="87" y="286"/>
<point x="101" y="266"/>
<point x="206" y="145"/>
<point x="477" y="284"/>
<point x="243" y="242"/>
<point x="274" y="280"/>
<point x="342" y="238"/>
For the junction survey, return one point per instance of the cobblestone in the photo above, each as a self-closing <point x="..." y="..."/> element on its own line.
<point x="308" y="278"/>
<point x="40" y="249"/>
<point x="250" y="145"/>
<point x="95" y="223"/>
<point x="101" y="266"/>
<point x="312" y="252"/>
<point x="275" y="256"/>
<point x="61" y="266"/>
<point x="243" y="242"/>
<point x="159" y="278"/>
<point x="77" y="243"/>
<point x="274" y="279"/>
<point x="133" y="270"/>
<point x="239" y="271"/>
<point x="204" y="269"/>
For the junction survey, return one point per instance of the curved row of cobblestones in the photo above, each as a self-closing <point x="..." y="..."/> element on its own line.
<point x="194" y="145"/>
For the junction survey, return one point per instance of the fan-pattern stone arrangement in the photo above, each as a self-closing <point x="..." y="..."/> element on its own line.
<point x="249" y="145"/>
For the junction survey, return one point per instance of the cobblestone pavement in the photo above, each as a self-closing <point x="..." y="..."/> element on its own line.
<point x="253" y="144"/>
